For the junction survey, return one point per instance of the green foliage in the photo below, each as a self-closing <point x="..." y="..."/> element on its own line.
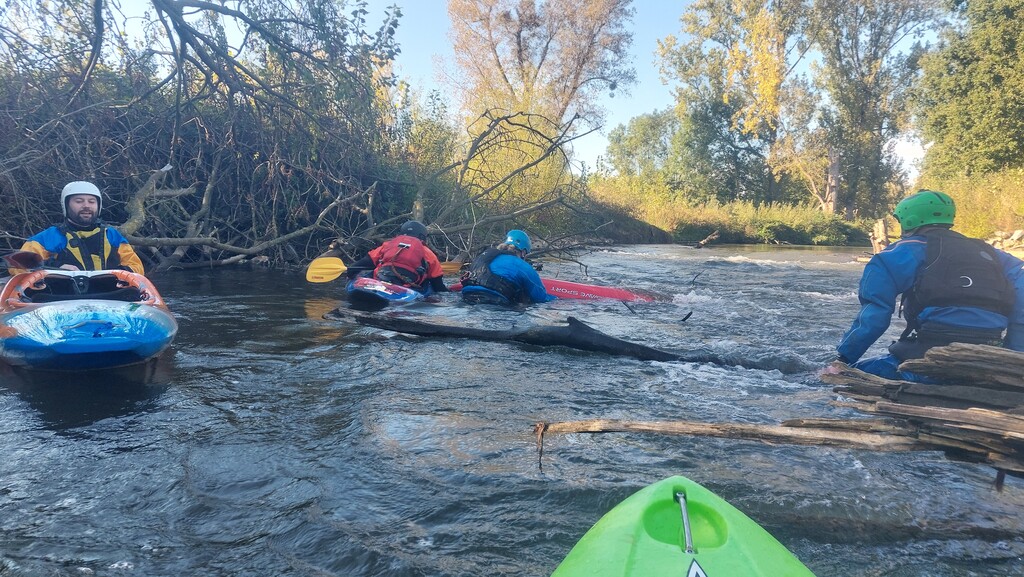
<point x="775" y="232"/>
<point x="744" y="222"/>
<point x="985" y="203"/>
<point x="970" y="98"/>
<point x="643" y="147"/>
<point x="756" y="128"/>
<point x="867" y="70"/>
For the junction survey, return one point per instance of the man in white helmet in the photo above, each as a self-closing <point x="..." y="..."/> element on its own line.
<point x="82" y="241"/>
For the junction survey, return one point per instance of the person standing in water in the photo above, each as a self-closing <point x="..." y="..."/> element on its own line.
<point x="955" y="289"/>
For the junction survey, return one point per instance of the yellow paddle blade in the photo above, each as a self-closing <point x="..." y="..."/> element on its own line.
<point x="451" y="267"/>
<point x="325" y="269"/>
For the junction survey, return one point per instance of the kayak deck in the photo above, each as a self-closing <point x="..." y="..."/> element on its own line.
<point x="82" y="320"/>
<point x="677" y="527"/>
<point x="368" y="292"/>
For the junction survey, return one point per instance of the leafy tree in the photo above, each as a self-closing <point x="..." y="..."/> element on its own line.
<point x="733" y="67"/>
<point x="530" y="73"/>
<point x="644" y="145"/>
<point x="970" y="100"/>
<point x="767" y="132"/>
<point x="867" y="76"/>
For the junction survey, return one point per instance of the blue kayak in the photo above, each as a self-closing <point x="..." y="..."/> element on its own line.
<point x="369" y="292"/>
<point x="82" y="320"/>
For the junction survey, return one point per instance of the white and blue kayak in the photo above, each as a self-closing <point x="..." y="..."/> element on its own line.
<point x="372" y="293"/>
<point x="82" y="320"/>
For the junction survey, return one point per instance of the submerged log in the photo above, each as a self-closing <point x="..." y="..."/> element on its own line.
<point x="707" y="240"/>
<point x="573" y="334"/>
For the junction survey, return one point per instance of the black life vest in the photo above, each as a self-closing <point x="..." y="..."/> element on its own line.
<point x="402" y="260"/>
<point x="480" y="274"/>
<point x="958" y="272"/>
<point x="87" y="249"/>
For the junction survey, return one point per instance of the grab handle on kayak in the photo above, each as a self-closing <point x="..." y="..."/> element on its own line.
<point x="687" y="535"/>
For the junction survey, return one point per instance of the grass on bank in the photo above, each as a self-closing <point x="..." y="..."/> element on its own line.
<point x="985" y="203"/>
<point x="737" y="222"/>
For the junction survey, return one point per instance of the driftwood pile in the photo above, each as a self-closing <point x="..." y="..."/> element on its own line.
<point x="977" y="415"/>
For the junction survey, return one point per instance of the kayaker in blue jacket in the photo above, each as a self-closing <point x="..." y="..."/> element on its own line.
<point x="955" y="289"/>
<point x="501" y="276"/>
<point x="83" y="241"/>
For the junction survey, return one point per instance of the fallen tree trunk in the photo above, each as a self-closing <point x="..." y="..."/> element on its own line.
<point x="847" y="434"/>
<point x="573" y="334"/>
<point x="980" y="366"/>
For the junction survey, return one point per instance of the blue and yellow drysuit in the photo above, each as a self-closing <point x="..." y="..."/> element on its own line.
<point x="498" y="277"/>
<point x="99" y="248"/>
<point x="896" y="270"/>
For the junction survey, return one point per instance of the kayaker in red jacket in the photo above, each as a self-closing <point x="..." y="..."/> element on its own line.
<point x="404" y="260"/>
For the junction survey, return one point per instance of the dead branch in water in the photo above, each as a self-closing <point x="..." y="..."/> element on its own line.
<point x="976" y="415"/>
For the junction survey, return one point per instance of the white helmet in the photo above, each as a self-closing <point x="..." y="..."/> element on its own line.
<point x="80" y="187"/>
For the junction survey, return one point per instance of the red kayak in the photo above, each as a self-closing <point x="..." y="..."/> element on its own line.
<point x="564" y="289"/>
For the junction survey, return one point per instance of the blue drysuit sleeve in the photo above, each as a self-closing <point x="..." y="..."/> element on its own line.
<point x="1014" y="269"/>
<point x="886" y="275"/>
<point x="520" y="271"/>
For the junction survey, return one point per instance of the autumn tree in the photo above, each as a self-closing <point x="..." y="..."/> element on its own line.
<point x="733" y="64"/>
<point x="868" y="65"/>
<point x="552" y="57"/>
<point x="801" y="94"/>
<point x="540" y="66"/>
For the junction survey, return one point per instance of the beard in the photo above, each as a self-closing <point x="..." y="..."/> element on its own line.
<point x="83" y="220"/>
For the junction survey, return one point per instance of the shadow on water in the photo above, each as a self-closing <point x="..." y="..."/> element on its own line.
<point x="66" y="400"/>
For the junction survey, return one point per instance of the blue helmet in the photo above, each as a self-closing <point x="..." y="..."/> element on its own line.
<point x="518" y="239"/>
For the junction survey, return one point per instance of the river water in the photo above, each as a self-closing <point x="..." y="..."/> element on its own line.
<point x="271" y="442"/>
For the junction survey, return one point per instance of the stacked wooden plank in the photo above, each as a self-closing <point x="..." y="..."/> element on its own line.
<point x="976" y="414"/>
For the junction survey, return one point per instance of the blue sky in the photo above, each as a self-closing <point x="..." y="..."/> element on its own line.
<point x="423" y="37"/>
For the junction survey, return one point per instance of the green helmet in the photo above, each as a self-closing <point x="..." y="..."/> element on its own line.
<point x="924" y="207"/>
